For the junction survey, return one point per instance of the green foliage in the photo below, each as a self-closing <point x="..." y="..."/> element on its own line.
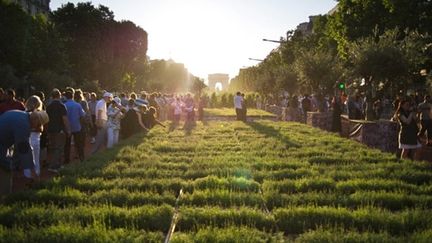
<point x="318" y="71"/>
<point x="197" y="86"/>
<point x="341" y="236"/>
<point x="223" y="235"/>
<point x="98" y="47"/>
<point x="316" y="61"/>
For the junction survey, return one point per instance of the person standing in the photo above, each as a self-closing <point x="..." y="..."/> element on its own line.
<point x="75" y="114"/>
<point x="406" y="116"/>
<point x="101" y="121"/>
<point x="238" y="106"/>
<point x="32" y="104"/>
<point x="306" y="106"/>
<point x="190" y="109"/>
<point x="425" y="109"/>
<point x="337" y="112"/>
<point x="57" y="129"/>
<point x="177" y="110"/>
<point x="92" y="109"/>
<point x="244" y="108"/>
<point x="10" y="103"/>
<point x="86" y="122"/>
<point x="115" y="115"/>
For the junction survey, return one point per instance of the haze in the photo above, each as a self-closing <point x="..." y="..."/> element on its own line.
<point x="213" y="36"/>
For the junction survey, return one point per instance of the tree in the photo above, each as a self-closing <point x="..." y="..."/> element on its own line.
<point x="197" y="86"/>
<point x="381" y="61"/>
<point x="32" y="49"/>
<point x="98" y="47"/>
<point x="318" y="71"/>
<point x="359" y="19"/>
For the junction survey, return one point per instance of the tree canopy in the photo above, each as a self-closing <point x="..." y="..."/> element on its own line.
<point x="387" y="42"/>
<point x="81" y="45"/>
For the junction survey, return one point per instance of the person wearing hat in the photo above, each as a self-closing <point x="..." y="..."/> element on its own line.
<point x="15" y="128"/>
<point x="115" y="114"/>
<point x="101" y="121"/>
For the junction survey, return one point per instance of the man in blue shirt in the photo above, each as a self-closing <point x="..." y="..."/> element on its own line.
<point x="74" y="114"/>
<point x="15" y="127"/>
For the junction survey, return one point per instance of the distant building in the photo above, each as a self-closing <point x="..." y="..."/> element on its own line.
<point x="34" y="7"/>
<point x="218" y="78"/>
<point x="306" y="28"/>
<point x="333" y="10"/>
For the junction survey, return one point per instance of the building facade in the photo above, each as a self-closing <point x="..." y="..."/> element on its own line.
<point x="34" y="7"/>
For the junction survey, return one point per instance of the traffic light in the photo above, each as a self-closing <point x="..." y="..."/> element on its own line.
<point x="341" y="85"/>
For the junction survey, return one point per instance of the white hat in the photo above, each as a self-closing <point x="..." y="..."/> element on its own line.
<point x="107" y="94"/>
<point x="117" y="100"/>
<point x="140" y="102"/>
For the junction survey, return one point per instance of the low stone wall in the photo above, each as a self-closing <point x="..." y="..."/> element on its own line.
<point x="381" y="134"/>
<point x="274" y="109"/>
<point x="321" y="120"/>
<point x="345" y="126"/>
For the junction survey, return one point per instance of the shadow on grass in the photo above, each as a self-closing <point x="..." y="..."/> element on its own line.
<point x="172" y="126"/>
<point x="272" y="132"/>
<point x="188" y="127"/>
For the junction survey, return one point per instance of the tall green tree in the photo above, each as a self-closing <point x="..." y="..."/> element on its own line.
<point x="357" y="19"/>
<point x="382" y="63"/>
<point x="98" y="47"/>
<point x="318" y="71"/>
<point x="31" y="50"/>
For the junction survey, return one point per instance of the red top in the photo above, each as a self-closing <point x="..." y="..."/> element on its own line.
<point x="11" y="105"/>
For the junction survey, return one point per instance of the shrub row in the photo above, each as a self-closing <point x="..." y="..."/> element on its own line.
<point x="69" y="196"/>
<point x="77" y="234"/>
<point x="152" y="218"/>
<point x="325" y="184"/>
<point x="388" y="200"/>
<point x="297" y="220"/>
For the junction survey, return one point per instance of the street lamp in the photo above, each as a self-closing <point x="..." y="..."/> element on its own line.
<point x="254" y="59"/>
<point x="275" y="41"/>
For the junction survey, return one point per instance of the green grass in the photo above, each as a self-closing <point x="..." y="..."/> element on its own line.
<point x="231" y="112"/>
<point x="260" y="181"/>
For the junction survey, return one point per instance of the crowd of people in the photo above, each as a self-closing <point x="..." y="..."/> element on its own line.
<point x="413" y="114"/>
<point x="30" y="127"/>
<point x="39" y="128"/>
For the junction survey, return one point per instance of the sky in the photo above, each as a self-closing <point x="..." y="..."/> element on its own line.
<point x="213" y="36"/>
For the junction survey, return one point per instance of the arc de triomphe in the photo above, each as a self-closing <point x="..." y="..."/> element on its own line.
<point x="215" y="78"/>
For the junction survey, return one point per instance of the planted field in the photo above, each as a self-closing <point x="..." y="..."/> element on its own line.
<point x="241" y="182"/>
<point x="230" y="112"/>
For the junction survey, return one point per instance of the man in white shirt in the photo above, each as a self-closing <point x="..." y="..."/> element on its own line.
<point x="238" y="105"/>
<point x="101" y="121"/>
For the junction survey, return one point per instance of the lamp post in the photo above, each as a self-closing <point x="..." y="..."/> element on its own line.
<point x="254" y="59"/>
<point x="275" y="41"/>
